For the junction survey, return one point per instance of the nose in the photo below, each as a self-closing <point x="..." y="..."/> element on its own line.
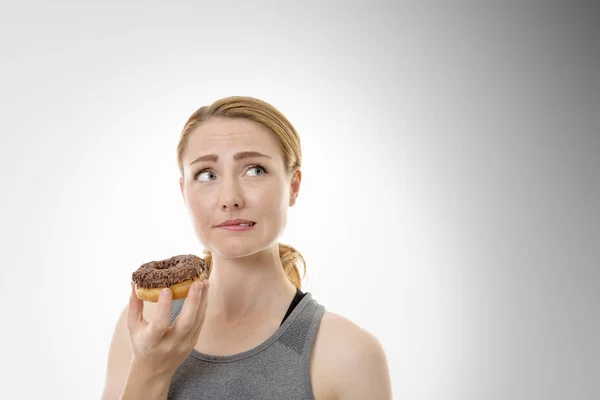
<point x="233" y="204"/>
<point x="232" y="198"/>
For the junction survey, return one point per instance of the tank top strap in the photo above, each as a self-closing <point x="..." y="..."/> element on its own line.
<point x="299" y="333"/>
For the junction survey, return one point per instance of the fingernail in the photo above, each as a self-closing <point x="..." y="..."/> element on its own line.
<point x="197" y="287"/>
<point x="165" y="292"/>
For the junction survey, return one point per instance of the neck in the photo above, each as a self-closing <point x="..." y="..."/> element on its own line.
<point x="249" y="288"/>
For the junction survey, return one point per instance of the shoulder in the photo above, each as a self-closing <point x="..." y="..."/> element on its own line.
<point x="350" y="361"/>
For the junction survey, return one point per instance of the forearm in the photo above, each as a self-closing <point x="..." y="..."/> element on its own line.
<point x="142" y="384"/>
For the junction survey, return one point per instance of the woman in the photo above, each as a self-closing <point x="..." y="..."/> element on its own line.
<point x="248" y="332"/>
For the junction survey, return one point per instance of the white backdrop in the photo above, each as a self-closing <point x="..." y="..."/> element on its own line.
<point x="450" y="188"/>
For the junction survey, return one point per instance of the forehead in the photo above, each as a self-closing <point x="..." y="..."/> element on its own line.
<point x="224" y="136"/>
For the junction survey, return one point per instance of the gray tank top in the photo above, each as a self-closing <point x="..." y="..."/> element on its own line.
<point x="278" y="368"/>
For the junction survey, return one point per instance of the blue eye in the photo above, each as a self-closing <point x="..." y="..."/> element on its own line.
<point x="210" y="176"/>
<point x="259" y="170"/>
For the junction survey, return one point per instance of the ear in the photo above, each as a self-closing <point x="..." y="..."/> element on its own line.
<point x="181" y="188"/>
<point x="295" y="186"/>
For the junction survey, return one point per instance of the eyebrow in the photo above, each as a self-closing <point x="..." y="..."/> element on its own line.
<point x="236" y="156"/>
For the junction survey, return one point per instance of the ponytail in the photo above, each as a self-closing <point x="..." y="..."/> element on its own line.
<point x="290" y="258"/>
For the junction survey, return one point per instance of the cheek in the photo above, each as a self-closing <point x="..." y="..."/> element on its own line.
<point x="269" y="203"/>
<point x="201" y="206"/>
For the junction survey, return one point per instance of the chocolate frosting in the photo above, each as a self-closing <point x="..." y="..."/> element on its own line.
<point x="164" y="273"/>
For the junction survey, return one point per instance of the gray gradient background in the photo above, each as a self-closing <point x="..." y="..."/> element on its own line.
<point x="461" y="145"/>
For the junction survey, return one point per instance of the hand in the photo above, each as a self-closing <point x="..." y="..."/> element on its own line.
<point x="158" y="349"/>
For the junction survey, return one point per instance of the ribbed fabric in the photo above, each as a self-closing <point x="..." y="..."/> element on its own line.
<point x="278" y="368"/>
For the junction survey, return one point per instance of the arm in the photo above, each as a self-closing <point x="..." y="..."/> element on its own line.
<point x="141" y="384"/>
<point x="119" y="359"/>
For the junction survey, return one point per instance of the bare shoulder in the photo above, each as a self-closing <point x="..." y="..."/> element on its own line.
<point x="348" y="362"/>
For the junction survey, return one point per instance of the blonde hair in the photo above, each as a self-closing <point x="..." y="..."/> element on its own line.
<point x="259" y="111"/>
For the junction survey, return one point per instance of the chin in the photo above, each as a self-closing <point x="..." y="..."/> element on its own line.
<point x="236" y="248"/>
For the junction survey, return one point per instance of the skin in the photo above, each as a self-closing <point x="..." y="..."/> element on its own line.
<point x="249" y="292"/>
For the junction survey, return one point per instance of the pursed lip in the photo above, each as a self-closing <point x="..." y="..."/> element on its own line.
<point x="233" y="222"/>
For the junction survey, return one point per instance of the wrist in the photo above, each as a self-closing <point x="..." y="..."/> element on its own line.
<point x="144" y="382"/>
<point x="149" y="372"/>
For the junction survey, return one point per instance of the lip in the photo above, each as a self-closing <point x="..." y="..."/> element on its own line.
<point x="234" y="223"/>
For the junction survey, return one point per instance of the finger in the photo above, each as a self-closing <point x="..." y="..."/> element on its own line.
<point x="135" y="311"/>
<point x="160" y="323"/>
<point x="184" y="322"/>
<point x="201" y="314"/>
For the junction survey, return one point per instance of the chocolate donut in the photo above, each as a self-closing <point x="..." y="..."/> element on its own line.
<point x="176" y="273"/>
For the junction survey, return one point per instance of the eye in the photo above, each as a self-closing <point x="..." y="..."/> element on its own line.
<point x="256" y="170"/>
<point x="206" y="174"/>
